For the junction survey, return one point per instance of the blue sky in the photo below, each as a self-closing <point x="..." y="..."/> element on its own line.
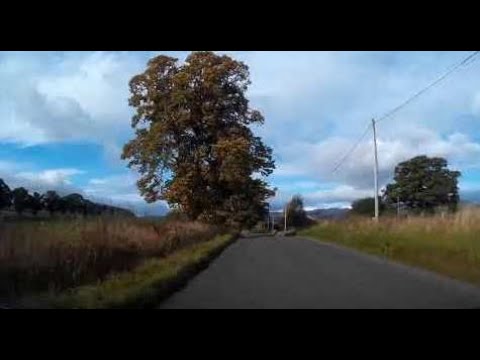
<point x="64" y="118"/>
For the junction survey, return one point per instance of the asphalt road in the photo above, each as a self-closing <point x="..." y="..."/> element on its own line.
<point x="287" y="273"/>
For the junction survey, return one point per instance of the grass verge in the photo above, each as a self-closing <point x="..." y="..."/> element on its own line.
<point x="449" y="245"/>
<point x="147" y="285"/>
<point x="56" y="255"/>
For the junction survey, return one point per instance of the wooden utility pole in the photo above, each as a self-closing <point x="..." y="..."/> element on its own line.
<point x="268" y="219"/>
<point x="375" y="172"/>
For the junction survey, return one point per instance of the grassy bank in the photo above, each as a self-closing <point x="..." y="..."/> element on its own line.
<point x="53" y="256"/>
<point x="146" y="285"/>
<point x="448" y="245"/>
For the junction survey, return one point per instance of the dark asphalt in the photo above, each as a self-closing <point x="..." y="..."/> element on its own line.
<point x="294" y="273"/>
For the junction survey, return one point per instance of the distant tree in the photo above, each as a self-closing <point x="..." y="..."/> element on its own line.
<point x="63" y="206"/>
<point x="5" y="195"/>
<point x="35" y="203"/>
<point x="424" y="183"/>
<point x="74" y="203"/>
<point x="51" y="202"/>
<point x="21" y="200"/>
<point x="194" y="144"/>
<point x="89" y="208"/>
<point x="296" y="215"/>
<point x="366" y="206"/>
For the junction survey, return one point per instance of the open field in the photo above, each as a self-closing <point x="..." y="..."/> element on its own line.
<point x="52" y="256"/>
<point x="448" y="245"/>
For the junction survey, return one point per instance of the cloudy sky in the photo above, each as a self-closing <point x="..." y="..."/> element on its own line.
<point x="65" y="116"/>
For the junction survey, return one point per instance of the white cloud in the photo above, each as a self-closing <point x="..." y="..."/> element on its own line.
<point x="326" y="197"/>
<point x="290" y="169"/>
<point x="53" y="177"/>
<point x="98" y="82"/>
<point x="77" y="96"/>
<point x="315" y="103"/>
<point x="60" y="180"/>
<point x="341" y="196"/>
<point x="312" y="94"/>
<point x="98" y="182"/>
<point x="318" y="160"/>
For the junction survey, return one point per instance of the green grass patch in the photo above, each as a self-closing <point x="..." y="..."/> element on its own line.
<point x="449" y="245"/>
<point x="146" y="285"/>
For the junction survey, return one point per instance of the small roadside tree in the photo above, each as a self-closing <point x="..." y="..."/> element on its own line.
<point x="296" y="215"/>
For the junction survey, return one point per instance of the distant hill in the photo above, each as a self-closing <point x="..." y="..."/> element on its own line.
<point x="469" y="203"/>
<point x="333" y="213"/>
<point x="317" y="214"/>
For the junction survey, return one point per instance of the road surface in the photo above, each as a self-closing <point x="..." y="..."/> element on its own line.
<point x="286" y="273"/>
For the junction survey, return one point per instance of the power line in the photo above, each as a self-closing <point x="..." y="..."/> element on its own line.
<point x="424" y="90"/>
<point x="472" y="59"/>
<point x="469" y="59"/>
<point x="352" y="149"/>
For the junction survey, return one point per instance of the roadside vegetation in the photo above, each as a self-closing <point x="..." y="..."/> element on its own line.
<point x="61" y="254"/>
<point x="420" y="223"/>
<point x="148" y="284"/>
<point x="448" y="244"/>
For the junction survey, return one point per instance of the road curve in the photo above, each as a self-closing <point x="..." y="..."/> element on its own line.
<point x="293" y="273"/>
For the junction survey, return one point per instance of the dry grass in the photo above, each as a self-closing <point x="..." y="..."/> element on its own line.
<point x="146" y="285"/>
<point x="449" y="245"/>
<point x="57" y="255"/>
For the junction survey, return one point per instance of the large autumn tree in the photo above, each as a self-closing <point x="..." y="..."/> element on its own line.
<point x="194" y="146"/>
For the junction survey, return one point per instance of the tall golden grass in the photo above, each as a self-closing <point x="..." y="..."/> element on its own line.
<point x="56" y="255"/>
<point x="447" y="244"/>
